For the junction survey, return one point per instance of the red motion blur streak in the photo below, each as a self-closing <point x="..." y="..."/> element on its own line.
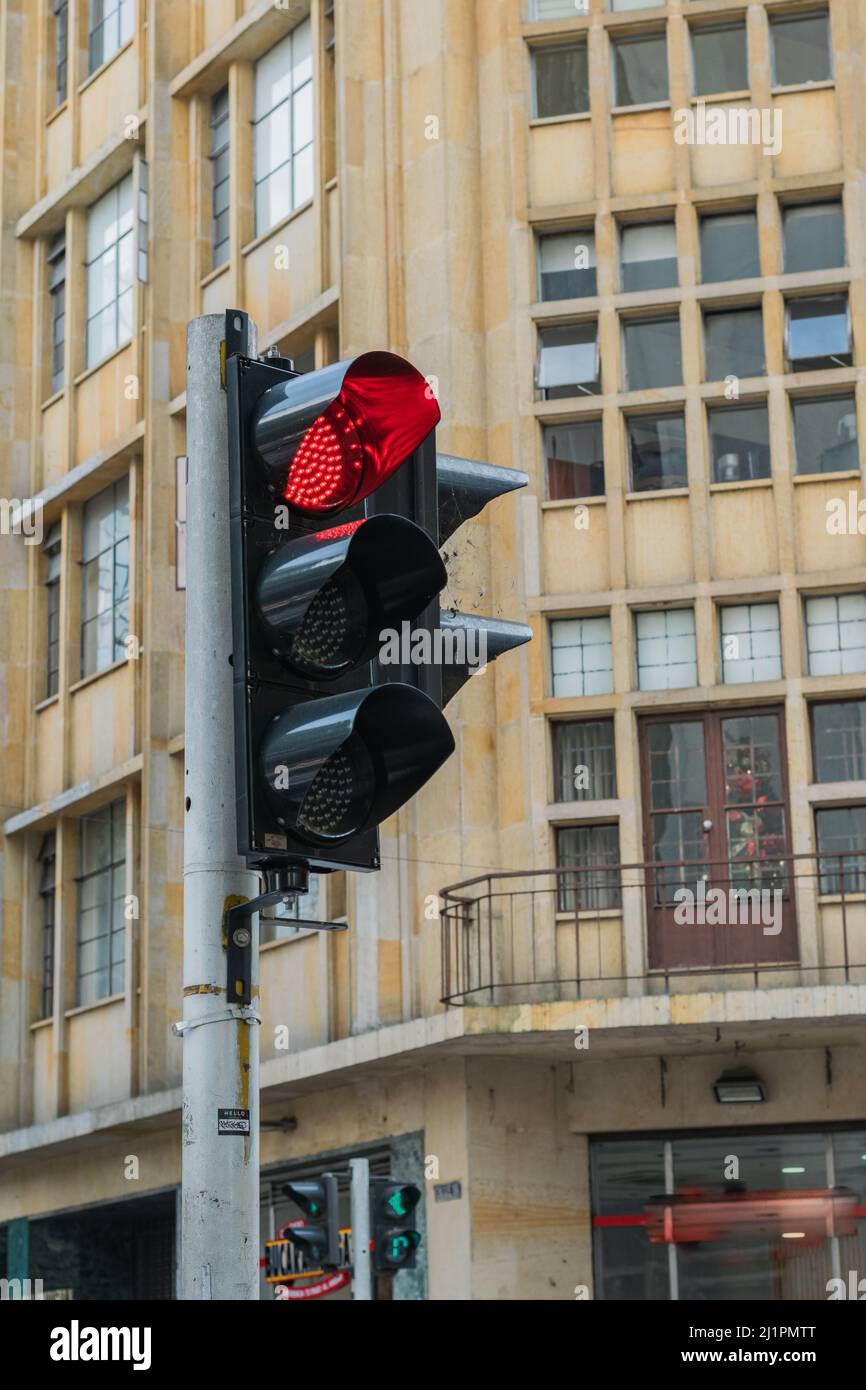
<point x="384" y="410"/>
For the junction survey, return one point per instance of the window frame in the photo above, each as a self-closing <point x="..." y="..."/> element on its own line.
<point x="775" y="22"/>
<point x="578" y="43"/>
<point x="837" y="595"/>
<point x="717" y="26"/>
<point x="667" y="665"/>
<point x="219" y="118"/>
<point x="258" y="121"/>
<point x="791" y="363"/>
<point x="624" y="38"/>
<point x="52" y="551"/>
<point x="717" y="408"/>
<point x="802" y="205"/>
<point x="86" y="618"/>
<point x="557" y="729"/>
<point x="55" y="260"/>
<point x="749" y="604"/>
<point x="121" y="287"/>
<point x="675" y="410"/>
<point x="596" y="889"/>
<point x="820" y="398"/>
<point x="608" y="670"/>
<point x="814" y="706"/>
<point x="116" y="866"/>
<point x="61" y="52"/>
<point x="97" y="57"/>
<point x="47" y="861"/>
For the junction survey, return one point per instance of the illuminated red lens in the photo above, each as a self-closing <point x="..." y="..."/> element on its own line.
<point x="384" y="410"/>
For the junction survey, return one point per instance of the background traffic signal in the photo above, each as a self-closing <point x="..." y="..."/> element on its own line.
<point x="320" y="1239"/>
<point x="395" y="1238"/>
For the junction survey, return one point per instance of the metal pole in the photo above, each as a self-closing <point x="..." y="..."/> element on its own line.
<point x="220" y="1155"/>
<point x="362" y="1283"/>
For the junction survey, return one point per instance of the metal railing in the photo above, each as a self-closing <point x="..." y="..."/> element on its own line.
<point x="606" y="930"/>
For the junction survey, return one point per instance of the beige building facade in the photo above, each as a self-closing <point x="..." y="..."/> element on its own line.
<point x="624" y="242"/>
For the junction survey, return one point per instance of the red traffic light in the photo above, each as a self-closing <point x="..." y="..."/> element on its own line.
<point x="328" y="439"/>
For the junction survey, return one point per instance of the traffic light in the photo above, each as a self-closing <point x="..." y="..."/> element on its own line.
<point x="339" y="504"/>
<point x="395" y="1238"/>
<point x="323" y="751"/>
<point x="320" y="1239"/>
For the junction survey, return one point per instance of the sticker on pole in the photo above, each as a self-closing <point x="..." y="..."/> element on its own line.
<point x="233" y="1121"/>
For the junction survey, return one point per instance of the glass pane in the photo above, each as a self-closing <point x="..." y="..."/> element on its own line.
<point x="561" y="81"/>
<point x="273" y="77"/>
<point x="95" y="843"/>
<point x="589" y="850"/>
<point x="641" y="70"/>
<point x="729" y="247"/>
<point x="101" y="335"/>
<point x="818" y="332"/>
<point x="584" y="760"/>
<point x="825" y="435"/>
<point x="653" y="353"/>
<point x="739" y="443"/>
<point x="801" y="50"/>
<point x="840" y="830"/>
<point x="649" y="256"/>
<point x="756" y="842"/>
<point x="720" y="63"/>
<point x="734" y="344"/>
<point x="575" y="460"/>
<point x="273" y="199"/>
<point x="102" y="281"/>
<point x="814" y="237"/>
<point x="751" y="643"/>
<point x="752" y="759"/>
<point x="677" y="764"/>
<point x="840" y="741"/>
<point x="658" y="452"/>
<point x="273" y="141"/>
<point x="567" y="265"/>
<point x="303" y="176"/>
<point x="302" y="117"/>
<point x="626" y="1174"/>
<point x="568" y="359"/>
<point x="678" y="841"/>
<point x="302" y="54"/>
<point x="98" y="524"/>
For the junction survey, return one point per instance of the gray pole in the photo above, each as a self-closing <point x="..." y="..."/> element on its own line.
<point x="362" y="1283"/>
<point x="220" y="1170"/>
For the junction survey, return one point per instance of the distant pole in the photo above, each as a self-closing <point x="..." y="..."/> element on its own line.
<point x="362" y="1282"/>
<point x="220" y="1131"/>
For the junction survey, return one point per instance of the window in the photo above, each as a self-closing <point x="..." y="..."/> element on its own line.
<point x="109" y="29"/>
<point x="109" y="272"/>
<point x="839" y="741"/>
<point x="836" y="634"/>
<point x="219" y="161"/>
<point x="574" y="455"/>
<point x="814" y="237"/>
<point x="653" y="356"/>
<point x="47" y="865"/>
<point x="561" y="80"/>
<point x="657" y="449"/>
<point x="581" y="656"/>
<point x="729" y="247"/>
<point x="101" y="891"/>
<point x="283" y="128"/>
<point x="280" y="923"/>
<point x="825" y="434"/>
<point x="589" y="850"/>
<point x="57" y="294"/>
<point x="568" y="361"/>
<point x="566" y="265"/>
<point x="640" y="69"/>
<point x="61" y="51"/>
<point x="555" y="9"/>
<point x="666" y="653"/>
<point x="720" y="59"/>
<point x="51" y="549"/>
<point x="733" y="343"/>
<point x="105" y="578"/>
<point x="627" y="4"/>
<point x="840" y="830"/>
<point x="583" y="760"/>
<point x="801" y="48"/>
<point x="649" y="256"/>
<point x="818" y="333"/>
<point x="739" y="442"/>
<point x="751" y="643"/>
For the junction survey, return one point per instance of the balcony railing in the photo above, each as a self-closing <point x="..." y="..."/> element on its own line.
<point x="607" y="930"/>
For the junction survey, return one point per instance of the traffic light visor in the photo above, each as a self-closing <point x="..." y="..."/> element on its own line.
<point x="327" y="439"/>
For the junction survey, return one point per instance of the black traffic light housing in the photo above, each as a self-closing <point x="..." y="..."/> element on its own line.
<point x="322" y="753"/>
<point x="318" y="1199"/>
<point x="392" y="1222"/>
<point x="339" y="504"/>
